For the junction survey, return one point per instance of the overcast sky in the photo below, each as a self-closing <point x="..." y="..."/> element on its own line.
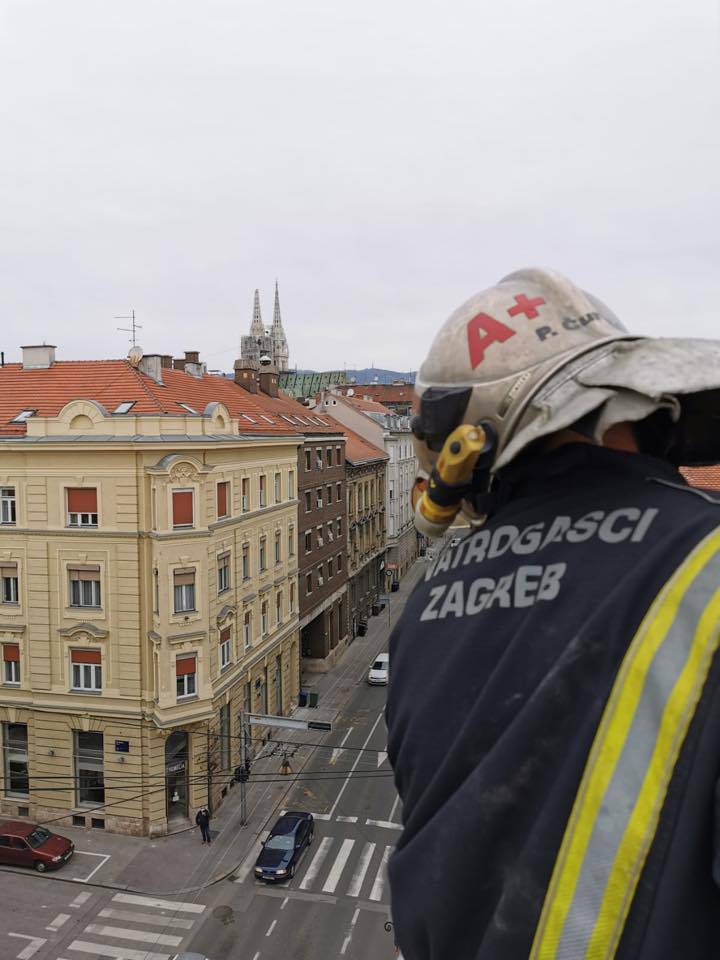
<point x="384" y="160"/>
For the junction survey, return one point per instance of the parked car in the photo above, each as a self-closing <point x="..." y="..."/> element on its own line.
<point x="285" y="844"/>
<point x="30" y="845"/>
<point x="379" y="672"/>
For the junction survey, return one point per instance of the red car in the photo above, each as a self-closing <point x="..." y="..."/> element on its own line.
<point x="30" y="845"/>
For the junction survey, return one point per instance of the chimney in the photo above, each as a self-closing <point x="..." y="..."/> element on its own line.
<point x="178" y="364"/>
<point x="268" y="380"/>
<point x="166" y="361"/>
<point x="38" y="357"/>
<point x="151" y="364"/>
<point x="192" y="356"/>
<point x="246" y="374"/>
<point x="195" y="369"/>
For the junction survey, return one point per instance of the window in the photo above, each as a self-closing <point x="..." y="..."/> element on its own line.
<point x="184" y="589"/>
<point x="328" y="491"/>
<point x="292" y="598"/>
<point x="86" y="670"/>
<point x="8" y="582"/>
<point x="391" y="492"/>
<point x="339" y="562"/>
<point x="245" y="494"/>
<point x="278" y="488"/>
<point x="15" y="759"/>
<point x="278" y="551"/>
<point x="223" y="499"/>
<point x="84" y="586"/>
<point x="328" y="456"/>
<point x="329" y="532"/>
<point x="82" y="508"/>
<point x="308" y="459"/>
<point x="246" y="561"/>
<point x="263" y="490"/>
<point x="318" y="459"/>
<point x="225" y="656"/>
<point x="291" y="484"/>
<point x="338" y="492"/>
<point x="263" y="553"/>
<point x="308" y="583"/>
<point x="23" y="416"/>
<point x="7" y="505"/>
<point x="11" y="663"/>
<point x="318" y="494"/>
<point x="223" y="573"/>
<point x="308" y="541"/>
<point x="89" y="772"/>
<point x="338" y="455"/>
<point x="247" y="630"/>
<point x="308" y="501"/>
<point x="278" y="607"/>
<point x="338" y="527"/>
<point x="264" y="618"/>
<point x="124" y="407"/>
<point x="182" y="501"/>
<point x="320" y="540"/>
<point x="291" y="541"/>
<point x="185" y="674"/>
<point x="320" y="576"/>
<point x="330" y="568"/>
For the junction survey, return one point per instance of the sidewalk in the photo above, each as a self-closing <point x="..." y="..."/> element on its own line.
<point x="179" y="863"/>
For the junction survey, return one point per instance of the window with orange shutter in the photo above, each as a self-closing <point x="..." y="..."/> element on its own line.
<point x="223" y="499"/>
<point x="225" y="651"/>
<point x="185" y="673"/>
<point x="11" y="663"/>
<point x="182" y="508"/>
<point x="86" y="670"/>
<point x="82" y="510"/>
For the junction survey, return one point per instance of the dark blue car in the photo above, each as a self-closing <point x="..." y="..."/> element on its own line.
<point x="284" y="846"/>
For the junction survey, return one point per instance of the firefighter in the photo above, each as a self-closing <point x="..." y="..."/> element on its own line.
<point x="554" y="711"/>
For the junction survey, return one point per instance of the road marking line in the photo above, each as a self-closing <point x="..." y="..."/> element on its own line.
<point x="348" y="938"/>
<point x="338" y="867"/>
<point x="32" y="948"/>
<point x="357" y="761"/>
<point x="361" y="869"/>
<point x="124" y="933"/>
<point x="156" y="902"/>
<point x="59" y="920"/>
<point x="388" y="824"/>
<point x="394" y="808"/>
<point x="80" y="899"/>
<point x="118" y="953"/>
<point x="284" y="903"/>
<point x="346" y="943"/>
<point x="248" y="864"/>
<point x="317" y="862"/>
<point x="381" y="757"/>
<point x="302" y="895"/>
<point x="376" y="892"/>
<point x="339" y="749"/>
<point x="271" y="927"/>
<point x="84" y="853"/>
<point x="179" y="922"/>
<point x="347" y="819"/>
<point x="257" y="956"/>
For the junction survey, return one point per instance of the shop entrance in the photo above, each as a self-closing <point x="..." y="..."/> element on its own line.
<point x="176" y="776"/>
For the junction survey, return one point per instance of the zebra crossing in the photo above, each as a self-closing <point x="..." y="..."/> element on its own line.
<point x="134" y="927"/>
<point x="339" y="866"/>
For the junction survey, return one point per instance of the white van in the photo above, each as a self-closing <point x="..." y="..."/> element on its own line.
<point x="379" y="672"/>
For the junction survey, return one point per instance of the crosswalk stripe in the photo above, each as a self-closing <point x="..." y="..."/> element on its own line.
<point x="361" y="869"/>
<point x="338" y="866"/>
<point x="156" y="902"/>
<point x="155" y="918"/>
<point x="117" y="953"/>
<point x="377" y="889"/>
<point x="124" y="933"/>
<point x="317" y="862"/>
<point x="248" y="864"/>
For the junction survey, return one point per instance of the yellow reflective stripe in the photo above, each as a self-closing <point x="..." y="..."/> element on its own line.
<point x="607" y="747"/>
<point x="639" y="834"/>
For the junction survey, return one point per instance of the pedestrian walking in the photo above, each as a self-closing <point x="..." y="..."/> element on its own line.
<point x="202" y="819"/>
<point x="554" y="711"/>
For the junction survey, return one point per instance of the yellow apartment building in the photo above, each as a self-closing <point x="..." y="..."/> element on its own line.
<point x="148" y="586"/>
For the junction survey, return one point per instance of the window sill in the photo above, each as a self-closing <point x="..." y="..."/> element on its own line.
<point x="226" y="668"/>
<point x="225" y="516"/>
<point x="83" y="606"/>
<point x="188" y="698"/>
<point x="8" y="523"/>
<point x="184" y="526"/>
<point x="11" y="683"/>
<point x="87" y="693"/>
<point x="183" y="613"/>
<point x="225" y="590"/>
<point x="10" y="603"/>
<point x="82" y="526"/>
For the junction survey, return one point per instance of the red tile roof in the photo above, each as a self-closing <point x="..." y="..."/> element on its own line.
<point x="358" y="450"/>
<point x="367" y="406"/>
<point x="706" y="477"/>
<point x="110" y="382"/>
<point x="383" y="392"/>
<point x="304" y="419"/>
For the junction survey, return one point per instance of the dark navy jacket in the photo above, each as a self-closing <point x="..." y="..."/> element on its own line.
<point x="503" y="664"/>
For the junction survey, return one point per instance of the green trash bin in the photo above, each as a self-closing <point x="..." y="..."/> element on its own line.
<point x="312" y="699"/>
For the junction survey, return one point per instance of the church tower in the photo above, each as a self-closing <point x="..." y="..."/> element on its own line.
<point x="280" y="352"/>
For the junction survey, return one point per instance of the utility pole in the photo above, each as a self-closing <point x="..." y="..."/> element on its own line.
<point x="209" y="771"/>
<point x="132" y="329"/>
<point x="243" y="769"/>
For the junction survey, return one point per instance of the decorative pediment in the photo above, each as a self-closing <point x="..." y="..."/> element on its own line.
<point x="83" y="632"/>
<point x="229" y="610"/>
<point x="14" y="628"/>
<point x="179" y="467"/>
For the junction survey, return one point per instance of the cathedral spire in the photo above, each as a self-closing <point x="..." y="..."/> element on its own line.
<point x="280" y="345"/>
<point x="256" y="327"/>
<point x="277" y="320"/>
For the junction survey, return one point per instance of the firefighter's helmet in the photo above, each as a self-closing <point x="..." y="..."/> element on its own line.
<point x="533" y="355"/>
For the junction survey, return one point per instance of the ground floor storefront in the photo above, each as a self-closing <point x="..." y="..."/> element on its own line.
<point x="365" y="588"/>
<point x="324" y="633"/>
<point x="126" y="773"/>
<point x="402" y="552"/>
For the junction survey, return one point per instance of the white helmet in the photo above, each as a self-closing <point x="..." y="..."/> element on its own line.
<point x="536" y="354"/>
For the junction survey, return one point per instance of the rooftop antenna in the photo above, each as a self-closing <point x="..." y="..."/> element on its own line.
<point x="132" y="329"/>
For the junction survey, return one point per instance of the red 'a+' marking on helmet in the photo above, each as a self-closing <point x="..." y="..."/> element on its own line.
<point x="525" y="306"/>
